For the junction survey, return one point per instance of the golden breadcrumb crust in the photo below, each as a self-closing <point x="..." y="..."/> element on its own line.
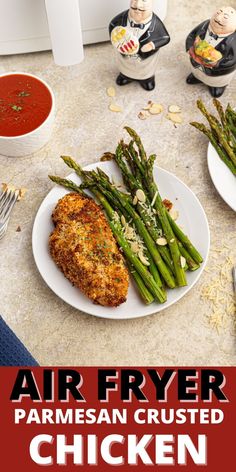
<point x="84" y="248"/>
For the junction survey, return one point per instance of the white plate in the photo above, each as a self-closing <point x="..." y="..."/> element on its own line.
<point x="192" y="219"/>
<point x="222" y="177"/>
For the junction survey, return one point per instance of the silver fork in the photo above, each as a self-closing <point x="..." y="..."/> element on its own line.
<point x="8" y="199"/>
<point x="234" y="279"/>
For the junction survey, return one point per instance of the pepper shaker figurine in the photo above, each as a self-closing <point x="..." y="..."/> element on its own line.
<point x="212" y="50"/>
<point x="138" y="34"/>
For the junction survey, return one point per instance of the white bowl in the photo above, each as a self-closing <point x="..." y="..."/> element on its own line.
<point x="25" y="144"/>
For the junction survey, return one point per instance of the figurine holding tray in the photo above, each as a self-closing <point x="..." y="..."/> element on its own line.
<point x="212" y="49"/>
<point x="137" y="35"/>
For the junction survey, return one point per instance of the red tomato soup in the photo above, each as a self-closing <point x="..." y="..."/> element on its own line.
<point x="25" y="103"/>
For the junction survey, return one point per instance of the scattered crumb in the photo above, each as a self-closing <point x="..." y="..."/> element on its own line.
<point x="18" y="229"/>
<point x="150" y="103"/>
<point x="168" y="204"/>
<point x="143" y="115"/>
<point x="22" y="192"/>
<point x="107" y="156"/>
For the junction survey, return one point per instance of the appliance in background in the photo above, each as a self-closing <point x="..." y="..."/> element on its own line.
<point x="37" y="25"/>
<point x="25" y="25"/>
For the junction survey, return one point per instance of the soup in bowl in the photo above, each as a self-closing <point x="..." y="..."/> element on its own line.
<point x="27" y="112"/>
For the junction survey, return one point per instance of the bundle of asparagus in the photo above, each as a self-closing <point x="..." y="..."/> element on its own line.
<point x="222" y="132"/>
<point x="157" y="251"/>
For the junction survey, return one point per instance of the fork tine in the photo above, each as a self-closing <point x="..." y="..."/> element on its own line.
<point x="11" y="202"/>
<point x="5" y="204"/>
<point x="3" y="230"/>
<point x="4" y="200"/>
<point x="2" y="193"/>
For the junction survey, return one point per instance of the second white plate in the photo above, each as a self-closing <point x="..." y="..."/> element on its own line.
<point x="222" y="177"/>
<point x="192" y="219"/>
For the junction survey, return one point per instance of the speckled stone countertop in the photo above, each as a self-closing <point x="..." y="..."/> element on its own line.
<point x="55" y="333"/>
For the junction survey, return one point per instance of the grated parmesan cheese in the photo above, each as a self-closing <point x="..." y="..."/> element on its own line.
<point x="219" y="294"/>
<point x="154" y="199"/>
<point x="135" y="241"/>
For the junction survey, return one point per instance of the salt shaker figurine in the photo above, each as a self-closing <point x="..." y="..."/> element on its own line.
<point x="138" y="34"/>
<point x="212" y="50"/>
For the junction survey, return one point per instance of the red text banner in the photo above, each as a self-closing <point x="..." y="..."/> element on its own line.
<point x="131" y="418"/>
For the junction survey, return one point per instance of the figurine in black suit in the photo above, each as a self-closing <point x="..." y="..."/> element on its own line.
<point x="149" y="33"/>
<point x="212" y="49"/>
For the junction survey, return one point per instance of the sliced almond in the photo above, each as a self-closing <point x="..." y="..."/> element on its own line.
<point x="135" y="200"/>
<point x="161" y="241"/>
<point x="154" y="199"/>
<point x="111" y="92"/>
<point x="174" y="109"/>
<point x="143" y="115"/>
<point x="156" y="109"/>
<point x="182" y="262"/>
<point x="141" y="196"/>
<point x="175" y="118"/>
<point x="123" y="220"/>
<point x="134" y="247"/>
<point x="116" y="108"/>
<point x="174" y="214"/>
<point x="143" y="259"/>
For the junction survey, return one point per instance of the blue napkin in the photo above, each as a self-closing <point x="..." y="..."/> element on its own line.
<point x="12" y="351"/>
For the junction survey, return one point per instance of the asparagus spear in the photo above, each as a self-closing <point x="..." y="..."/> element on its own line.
<point x="116" y="227"/>
<point x="167" y="229"/>
<point x="142" y="289"/>
<point x="192" y="265"/>
<point x="185" y="240"/>
<point x="221" y="113"/>
<point x="231" y="120"/>
<point x="139" y="170"/>
<point x="219" y="132"/>
<point x="222" y="154"/>
<point x="137" y="140"/>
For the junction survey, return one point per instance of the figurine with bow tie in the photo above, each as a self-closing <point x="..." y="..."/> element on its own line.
<point x="212" y="50"/>
<point x="137" y="35"/>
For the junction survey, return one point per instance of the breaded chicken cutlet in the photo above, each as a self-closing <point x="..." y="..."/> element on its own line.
<point x="84" y="248"/>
